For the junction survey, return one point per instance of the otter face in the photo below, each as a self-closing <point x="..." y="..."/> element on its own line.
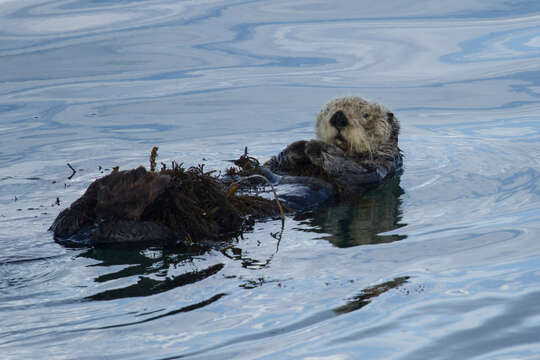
<point x="356" y="125"/>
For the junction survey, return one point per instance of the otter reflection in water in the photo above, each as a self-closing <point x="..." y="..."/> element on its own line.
<point x="362" y="221"/>
<point x="148" y="267"/>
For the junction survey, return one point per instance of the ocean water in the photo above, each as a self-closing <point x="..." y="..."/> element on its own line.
<point x="442" y="262"/>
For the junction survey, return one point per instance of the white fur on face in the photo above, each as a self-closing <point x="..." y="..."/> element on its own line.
<point x="368" y="125"/>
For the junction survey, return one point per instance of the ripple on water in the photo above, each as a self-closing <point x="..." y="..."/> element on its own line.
<point x="19" y="276"/>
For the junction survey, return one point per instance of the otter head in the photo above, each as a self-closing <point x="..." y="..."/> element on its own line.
<point x="357" y="126"/>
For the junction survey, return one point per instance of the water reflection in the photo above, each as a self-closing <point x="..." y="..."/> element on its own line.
<point x="183" y="309"/>
<point x="362" y="221"/>
<point x="366" y="296"/>
<point x="152" y="267"/>
<point x="348" y="224"/>
<point x="509" y="327"/>
<point x="357" y="302"/>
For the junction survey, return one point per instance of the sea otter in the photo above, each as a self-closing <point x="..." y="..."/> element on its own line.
<point x="356" y="148"/>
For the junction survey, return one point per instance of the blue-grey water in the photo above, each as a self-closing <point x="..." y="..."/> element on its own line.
<point x="441" y="263"/>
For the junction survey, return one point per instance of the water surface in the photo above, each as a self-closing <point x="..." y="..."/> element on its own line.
<point x="441" y="263"/>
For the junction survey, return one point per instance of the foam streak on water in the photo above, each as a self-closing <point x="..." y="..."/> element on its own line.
<point x="442" y="263"/>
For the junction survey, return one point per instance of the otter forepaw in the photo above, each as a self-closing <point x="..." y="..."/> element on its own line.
<point x="324" y="155"/>
<point x="289" y="159"/>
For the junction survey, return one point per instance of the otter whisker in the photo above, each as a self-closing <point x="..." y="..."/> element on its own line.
<point x="370" y="150"/>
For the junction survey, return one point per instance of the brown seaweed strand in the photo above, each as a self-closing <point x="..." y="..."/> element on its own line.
<point x="153" y="157"/>
<point x="281" y="211"/>
<point x="72" y="169"/>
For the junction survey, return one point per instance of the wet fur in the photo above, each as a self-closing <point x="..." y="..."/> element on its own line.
<point x="372" y="130"/>
<point x="366" y="145"/>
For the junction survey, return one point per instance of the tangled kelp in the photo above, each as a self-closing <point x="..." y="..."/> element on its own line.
<point x="178" y="205"/>
<point x="205" y="206"/>
<point x="174" y="205"/>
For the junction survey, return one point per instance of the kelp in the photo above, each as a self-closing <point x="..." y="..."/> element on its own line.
<point x="153" y="157"/>
<point x="191" y="205"/>
<point x="199" y="205"/>
<point x="172" y="205"/>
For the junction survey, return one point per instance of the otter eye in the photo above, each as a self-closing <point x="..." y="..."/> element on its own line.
<point x="365" y="115"/>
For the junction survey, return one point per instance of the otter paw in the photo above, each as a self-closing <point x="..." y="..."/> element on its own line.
<point x="320" y="152"/>
<point x="289" y="159"/>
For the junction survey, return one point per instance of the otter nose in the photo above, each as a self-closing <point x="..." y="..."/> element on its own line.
<point x="339" y="120"/>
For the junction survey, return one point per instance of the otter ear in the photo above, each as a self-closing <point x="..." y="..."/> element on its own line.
<point x="390" y="115"/>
